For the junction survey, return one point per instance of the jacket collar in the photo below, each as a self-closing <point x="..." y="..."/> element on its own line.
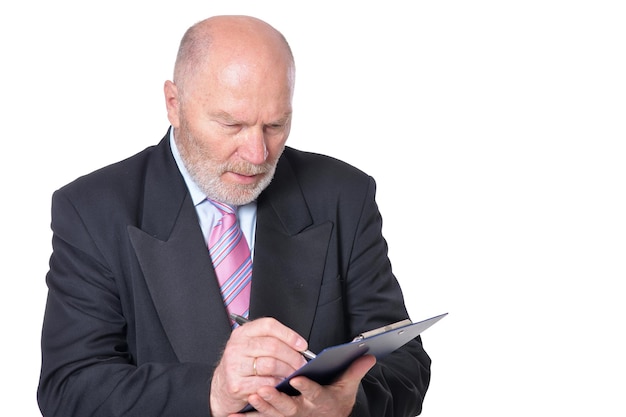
<point x="176" y="264"/>
<point x="290" y="253"/>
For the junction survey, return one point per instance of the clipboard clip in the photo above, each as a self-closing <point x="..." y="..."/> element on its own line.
<point x="382" y="329"/>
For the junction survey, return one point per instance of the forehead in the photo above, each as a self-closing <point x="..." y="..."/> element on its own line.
<point x="240" y="87"/>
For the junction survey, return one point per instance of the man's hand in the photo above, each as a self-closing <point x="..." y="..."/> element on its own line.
<point x="336" y="400"/>
<point x="260" y="353"/>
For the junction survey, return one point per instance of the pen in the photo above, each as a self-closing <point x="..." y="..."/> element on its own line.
<point x="240" y="320"/>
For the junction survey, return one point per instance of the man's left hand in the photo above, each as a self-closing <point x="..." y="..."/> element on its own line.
<point x="336" y="400"/>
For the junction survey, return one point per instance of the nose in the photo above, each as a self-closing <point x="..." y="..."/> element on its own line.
<point x="253" y="148"/>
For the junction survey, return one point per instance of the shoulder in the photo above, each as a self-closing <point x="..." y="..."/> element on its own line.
<point x="106" y="182"/>
<point x="322" y="169"/>
<point x="122" y="178"/>
<point x="324" y="182"/>
<point x="117" y="194"/>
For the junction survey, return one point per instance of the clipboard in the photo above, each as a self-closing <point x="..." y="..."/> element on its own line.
<point x="334" y="360"/>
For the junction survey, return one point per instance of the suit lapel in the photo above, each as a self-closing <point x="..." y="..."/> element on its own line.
<point x="176" y="265"/>
<point x="290" y="254"/>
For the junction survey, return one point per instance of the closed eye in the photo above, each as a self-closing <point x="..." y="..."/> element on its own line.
<point x="231" y="127"/>
<point x="274" y="128"/>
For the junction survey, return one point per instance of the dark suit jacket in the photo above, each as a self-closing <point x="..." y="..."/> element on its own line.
<point x="135" y="324"/>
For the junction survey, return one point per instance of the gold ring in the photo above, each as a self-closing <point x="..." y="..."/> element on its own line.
<point x="254" y="367"/>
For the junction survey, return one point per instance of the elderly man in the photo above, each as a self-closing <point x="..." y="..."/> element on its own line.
<point x="150" y="255"/>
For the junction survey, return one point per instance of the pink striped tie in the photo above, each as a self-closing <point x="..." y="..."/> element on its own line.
<point x="232" y="262"/>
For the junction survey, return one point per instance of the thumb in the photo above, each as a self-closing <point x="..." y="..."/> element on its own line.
<point x="359" y="368"/>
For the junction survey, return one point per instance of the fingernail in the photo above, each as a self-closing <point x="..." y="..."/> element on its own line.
<point x="295" y="384"/>
<point x="300" y="343"/>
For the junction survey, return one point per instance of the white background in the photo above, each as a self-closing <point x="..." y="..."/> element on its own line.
<point x="495" y="131"/>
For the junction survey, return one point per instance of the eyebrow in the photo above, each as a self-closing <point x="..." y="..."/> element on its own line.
<point x="229" y="118"/>
<point x="224" y="116"/>
<point x="282" y="120"/>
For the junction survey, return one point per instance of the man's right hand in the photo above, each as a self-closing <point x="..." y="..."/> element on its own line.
<point x="259" y="353"/>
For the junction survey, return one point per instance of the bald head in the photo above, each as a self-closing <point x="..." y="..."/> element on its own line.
<point x="230" y="105"/>
<point x="216" y="42"/>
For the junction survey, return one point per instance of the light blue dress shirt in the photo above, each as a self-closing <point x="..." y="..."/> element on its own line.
<point x="208" y="214"/>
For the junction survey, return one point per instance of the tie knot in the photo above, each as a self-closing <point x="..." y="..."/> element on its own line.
<point x="223" y="208"/>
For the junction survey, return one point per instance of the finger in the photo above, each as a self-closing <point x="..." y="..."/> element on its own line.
<point x="268" y="326"/>
<point x="271" y="366"/>
<point x="250" y="341"/>
<point x="270" y="402"/>
<point x="262" y="357"/>
<point x="349" y="380"/>
<point x="358" y="369"/>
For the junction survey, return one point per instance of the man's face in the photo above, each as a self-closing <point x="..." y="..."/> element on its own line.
<point x="230" y="126"/>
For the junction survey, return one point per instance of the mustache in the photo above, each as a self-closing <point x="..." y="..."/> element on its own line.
<point x="245" y="168"/>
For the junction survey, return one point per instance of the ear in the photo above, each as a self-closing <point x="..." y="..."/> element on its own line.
<point x="172" y="103"/>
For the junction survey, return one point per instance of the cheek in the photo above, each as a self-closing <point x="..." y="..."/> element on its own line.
<point x="215" y="151"/>
<point x="209" y="144"/>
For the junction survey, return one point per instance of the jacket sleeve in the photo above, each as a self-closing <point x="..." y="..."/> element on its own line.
<point x="397" y="384"/>
<point x="87" y="369"/>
